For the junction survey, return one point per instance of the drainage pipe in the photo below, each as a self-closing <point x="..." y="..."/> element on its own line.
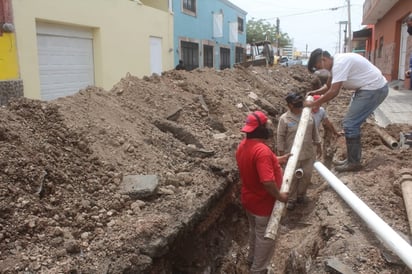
<point x="299" y="173"/>
<point x="378" y="226"/>
<point x="273" y="224"/>
<point x="388" y="139"/>
<point x="406" y="186"/>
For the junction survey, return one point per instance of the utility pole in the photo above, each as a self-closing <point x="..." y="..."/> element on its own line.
<point x="340" y="35"/>
<point x="345" y="47"/>
<point x="349" y="49"/>
<point x="306" y="54"/>
<point x="277" y="35"/>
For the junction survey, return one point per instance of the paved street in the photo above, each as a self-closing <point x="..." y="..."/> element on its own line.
<point x="397" y="107"/>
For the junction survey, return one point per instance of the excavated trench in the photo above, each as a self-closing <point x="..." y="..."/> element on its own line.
<point x="218" y="243"/>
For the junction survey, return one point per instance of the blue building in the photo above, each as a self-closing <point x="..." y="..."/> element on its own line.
<point x="208" y="33"/>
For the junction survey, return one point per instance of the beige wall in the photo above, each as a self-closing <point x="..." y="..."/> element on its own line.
<point x="158" y="4"/>
<point x="122" y="29"/>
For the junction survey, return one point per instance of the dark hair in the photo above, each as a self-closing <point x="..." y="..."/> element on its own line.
<point x="261" y="132"/>
<point x="314" y="58"/>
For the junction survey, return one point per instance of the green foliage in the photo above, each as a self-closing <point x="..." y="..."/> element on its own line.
<point x="260" y="30"/>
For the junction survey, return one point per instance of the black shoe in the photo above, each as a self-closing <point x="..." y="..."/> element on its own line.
<point x="291" y="205"/>
<point x="349" y="167"/>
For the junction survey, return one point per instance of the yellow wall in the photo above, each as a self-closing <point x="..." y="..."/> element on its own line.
<point x="158" y="4"/>
<point x="9" y="68"/>
<point x="122" y="29"/>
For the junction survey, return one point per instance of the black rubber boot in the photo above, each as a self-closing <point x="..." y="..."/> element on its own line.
<point x="354" y="150"/>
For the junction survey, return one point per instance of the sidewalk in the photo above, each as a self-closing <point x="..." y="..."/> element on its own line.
<point x="397" y="107"/>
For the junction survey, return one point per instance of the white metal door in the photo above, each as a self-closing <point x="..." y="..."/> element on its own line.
<point x="156" y="55"/>
<point x="402" y="55"/>
<point x="65" y="60"/>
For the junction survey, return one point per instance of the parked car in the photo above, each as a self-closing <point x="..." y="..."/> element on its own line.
<point x="286" y="62"/>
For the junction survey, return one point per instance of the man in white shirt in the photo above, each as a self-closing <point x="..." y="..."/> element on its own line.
<point x="351" y="71"/>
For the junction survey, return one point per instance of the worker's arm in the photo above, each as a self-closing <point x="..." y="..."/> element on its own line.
<point x="319" y="91"/>
<point x="328" y="124"/>
<point x="274" y="191"/>
<point x="316" y="140"/>
<point x="329" y="95"/>
<point x="281" y="136"/>
<point x="284" y="158"/>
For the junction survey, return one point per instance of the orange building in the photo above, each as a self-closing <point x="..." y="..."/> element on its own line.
<point x="389" y="43"/>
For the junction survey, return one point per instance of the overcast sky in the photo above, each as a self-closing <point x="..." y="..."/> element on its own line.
<point x="308" y="22"/>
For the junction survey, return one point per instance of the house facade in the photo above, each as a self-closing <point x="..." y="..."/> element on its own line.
<point x="63" y="46"/>
<point x="10" y="83"/>
<point x="391" y="45"/>
<point x="208" y="33"/>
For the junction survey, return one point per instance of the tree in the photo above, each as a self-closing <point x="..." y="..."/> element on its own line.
<point x="259" y="30"/>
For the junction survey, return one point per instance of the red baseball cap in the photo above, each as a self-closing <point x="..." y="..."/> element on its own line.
<point x="254" y="120"/>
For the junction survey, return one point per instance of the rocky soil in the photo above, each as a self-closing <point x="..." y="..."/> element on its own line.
<point x="62" y="164"/>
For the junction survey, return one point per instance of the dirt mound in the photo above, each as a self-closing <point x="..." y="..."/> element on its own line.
<point x="62" y="163"/>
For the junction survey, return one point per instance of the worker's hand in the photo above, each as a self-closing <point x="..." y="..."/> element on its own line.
<point x="339" y="133"/>
<point x="284" y="158"/>
<point x="283" y="197"/>
<point x="311" y="93"/>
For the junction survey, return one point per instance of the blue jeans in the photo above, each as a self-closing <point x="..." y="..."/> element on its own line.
<point x="362" y="104"/>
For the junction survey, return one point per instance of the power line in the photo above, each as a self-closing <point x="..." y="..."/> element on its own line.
<point x="307" y="12"/>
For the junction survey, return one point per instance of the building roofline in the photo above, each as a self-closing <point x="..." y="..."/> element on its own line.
<point x="230" y="4"/>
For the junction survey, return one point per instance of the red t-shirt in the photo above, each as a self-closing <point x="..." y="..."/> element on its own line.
<point x="257" y="163"/>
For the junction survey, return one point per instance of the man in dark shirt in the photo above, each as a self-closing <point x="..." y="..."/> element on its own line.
<point x="180" y="66"/>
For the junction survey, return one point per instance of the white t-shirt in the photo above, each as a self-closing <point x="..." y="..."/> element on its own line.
<point x="319" y="116"/>
<point x="356" y="72"/>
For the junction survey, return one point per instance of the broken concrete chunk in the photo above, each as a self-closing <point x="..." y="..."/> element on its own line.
<point x="203" y="103"/>
<point x="219" y="136"/>
<point x="198" y="152"/>
<point x="338" y="266"/>
<point x="179" y="132"/>
<point x="173" y="114"/>
<point x="253" y="95"/>
<point x="139" y="186"/>
<point x="267" y="106"/>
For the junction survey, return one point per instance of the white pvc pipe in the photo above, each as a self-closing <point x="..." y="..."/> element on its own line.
<point x="382" y="229"/>
<point x="277" y="211"/>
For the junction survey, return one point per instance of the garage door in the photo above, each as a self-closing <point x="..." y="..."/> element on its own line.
<point x="65" y="59"/>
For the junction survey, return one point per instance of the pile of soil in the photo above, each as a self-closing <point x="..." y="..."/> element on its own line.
<point x="62" y="162"/>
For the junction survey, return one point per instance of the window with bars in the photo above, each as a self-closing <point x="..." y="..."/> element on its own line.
<point x="189" y="5"/>
<point x="190" y="54"/>
<point x="239" y="55"/>
<point x="224" y="58"/>
<point x="208" y="56"/>
<point x="240" y="26"/>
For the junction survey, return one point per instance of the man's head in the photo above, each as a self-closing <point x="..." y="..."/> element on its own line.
<point x="323" y="75"/>
<point x="256" y="126"/>
<point x="320" y="59"/>
<point x="409" y="24"/>
<point x="294" y="100"/>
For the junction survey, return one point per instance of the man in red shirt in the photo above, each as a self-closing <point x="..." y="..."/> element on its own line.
<point x="261" y="177"/>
